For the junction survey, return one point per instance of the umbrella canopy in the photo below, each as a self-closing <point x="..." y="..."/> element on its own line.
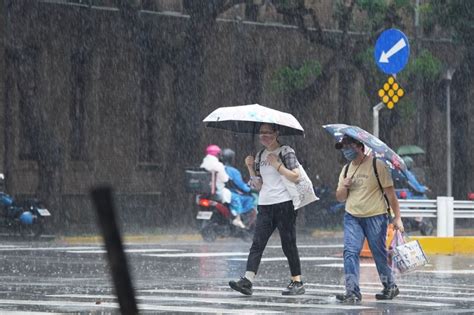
<point x="380" y="149"/>
<point x="410" y="149"/>
<point x="247" y="119"/>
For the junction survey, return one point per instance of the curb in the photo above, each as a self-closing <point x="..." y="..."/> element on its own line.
<point x="446" y="245"/>
<point x="132" y="238"/>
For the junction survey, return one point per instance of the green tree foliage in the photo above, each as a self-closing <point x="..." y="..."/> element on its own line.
<point x="288" y="79"/>
<point x="426" y="65"/>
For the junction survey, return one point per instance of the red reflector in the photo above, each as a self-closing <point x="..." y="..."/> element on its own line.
<point x="403" y="195"/>
<point x="470" y="196"/>
<point x="204" y="202"/>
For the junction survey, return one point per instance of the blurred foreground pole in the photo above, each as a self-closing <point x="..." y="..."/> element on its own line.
<point x="102" y="198"/>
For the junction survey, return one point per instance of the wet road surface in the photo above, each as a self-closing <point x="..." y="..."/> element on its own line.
<point x="192" y="277"/>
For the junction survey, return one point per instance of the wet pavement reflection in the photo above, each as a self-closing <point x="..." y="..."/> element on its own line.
<point x="192" y="277"/>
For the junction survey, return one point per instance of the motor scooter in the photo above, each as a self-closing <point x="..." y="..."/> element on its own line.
<point x="214" y="219"/>
<point x="24" y="218"/>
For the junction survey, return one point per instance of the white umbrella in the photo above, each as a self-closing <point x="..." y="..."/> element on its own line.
<point x="247" y="119"/>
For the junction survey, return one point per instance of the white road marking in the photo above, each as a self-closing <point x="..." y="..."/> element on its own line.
<point x="50" y="248"/>
<point x="285" y="259"/>
<point x="457" y="272"/>
<point x="378" y="287"/>
<point x="337" y="265"/>
<point x="226" y="293"/>
<point x="238" y="301"/>
<point x="143" y="307"/>
<point x="6" y="312"/>
<point x="396" y="301"/>
<point x="199" y="254"/>
<point x="312" y="246"/>
<point x="148" y="250"/>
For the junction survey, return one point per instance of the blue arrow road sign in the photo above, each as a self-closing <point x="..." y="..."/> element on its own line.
<point x="392" y="51"/>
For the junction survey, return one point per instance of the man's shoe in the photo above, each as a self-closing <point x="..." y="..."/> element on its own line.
<point x="244" y="286"/>
<point x="294" y="288"/>
<point x="388" y="293"/>
<point x="349" y="298"/>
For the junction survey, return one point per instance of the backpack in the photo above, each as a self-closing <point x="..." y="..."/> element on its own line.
<point x="374" y="166"/>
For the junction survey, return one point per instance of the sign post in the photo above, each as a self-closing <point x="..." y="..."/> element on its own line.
<point x="391" y="55"/>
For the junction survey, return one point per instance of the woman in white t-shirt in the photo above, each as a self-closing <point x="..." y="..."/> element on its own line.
<point x="275" y="208"/>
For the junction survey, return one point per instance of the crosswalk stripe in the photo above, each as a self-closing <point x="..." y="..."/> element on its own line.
<point x="402" y="288"/>
<point x="285" y="259"/>
<point x="238" y="301"/>
<point x="454" y="272"/>
<point x="49" y="248"/>
<point x="142" y="307"/>
<point x="339" y="265"/>
<point x="102" y="251"/>
<point x="336" y="291"/>
<point x="312" y="246"/>
<point x="222" y="254"/>
<point x="447" y="286"/>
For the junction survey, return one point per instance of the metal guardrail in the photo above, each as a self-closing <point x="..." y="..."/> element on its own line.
<point x="445" y="209"/>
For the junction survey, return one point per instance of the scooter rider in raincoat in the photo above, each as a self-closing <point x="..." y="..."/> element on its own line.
<point x="211" y="163"/>
<point x="242" y="200"/>
<point x="412" y="181"/>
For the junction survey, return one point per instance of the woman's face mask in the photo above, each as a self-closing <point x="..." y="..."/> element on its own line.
<point x="349" y="153"/>
<point x="267" y="137"/>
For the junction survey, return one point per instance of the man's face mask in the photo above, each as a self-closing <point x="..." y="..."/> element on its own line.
<point x="349" y="153"/>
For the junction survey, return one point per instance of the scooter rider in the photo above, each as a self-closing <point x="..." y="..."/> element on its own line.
<point x="242" y="200"/>
<point x="412" y="181"/>
<point x="211" y="163"/>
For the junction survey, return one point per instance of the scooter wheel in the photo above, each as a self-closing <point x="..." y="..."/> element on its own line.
<point x="33" y="230"/>
<point x="208" y="234"/>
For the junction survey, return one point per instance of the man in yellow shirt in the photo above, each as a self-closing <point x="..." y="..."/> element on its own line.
<point x="366" y="217"/>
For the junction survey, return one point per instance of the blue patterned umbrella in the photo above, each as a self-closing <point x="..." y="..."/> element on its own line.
<point x="378" y="147"/>
<point x="247" y="119"/>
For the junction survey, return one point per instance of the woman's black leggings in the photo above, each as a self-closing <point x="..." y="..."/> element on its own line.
<point x="281" y="216"/>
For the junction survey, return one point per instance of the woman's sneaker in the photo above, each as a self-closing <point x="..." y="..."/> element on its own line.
<point x="388" y="293"/>
<point x="244" y="286"/>
<point x="294" y="288"/>
<point x="349" y="298"/>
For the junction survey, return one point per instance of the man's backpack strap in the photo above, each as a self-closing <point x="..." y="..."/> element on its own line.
<point x="374" y="164"/>
<point x="346" y="169"/>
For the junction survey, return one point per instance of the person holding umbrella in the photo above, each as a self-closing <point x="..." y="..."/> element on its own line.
<point x="363" y="185"/>
<point x="275" y="208"/>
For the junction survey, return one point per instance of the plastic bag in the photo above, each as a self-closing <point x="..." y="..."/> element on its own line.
<point x="406" y="255"/>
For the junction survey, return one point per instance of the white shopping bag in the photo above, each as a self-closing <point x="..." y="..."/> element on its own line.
<point x="407" y="256"/>
<point x="301" y="192"/>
